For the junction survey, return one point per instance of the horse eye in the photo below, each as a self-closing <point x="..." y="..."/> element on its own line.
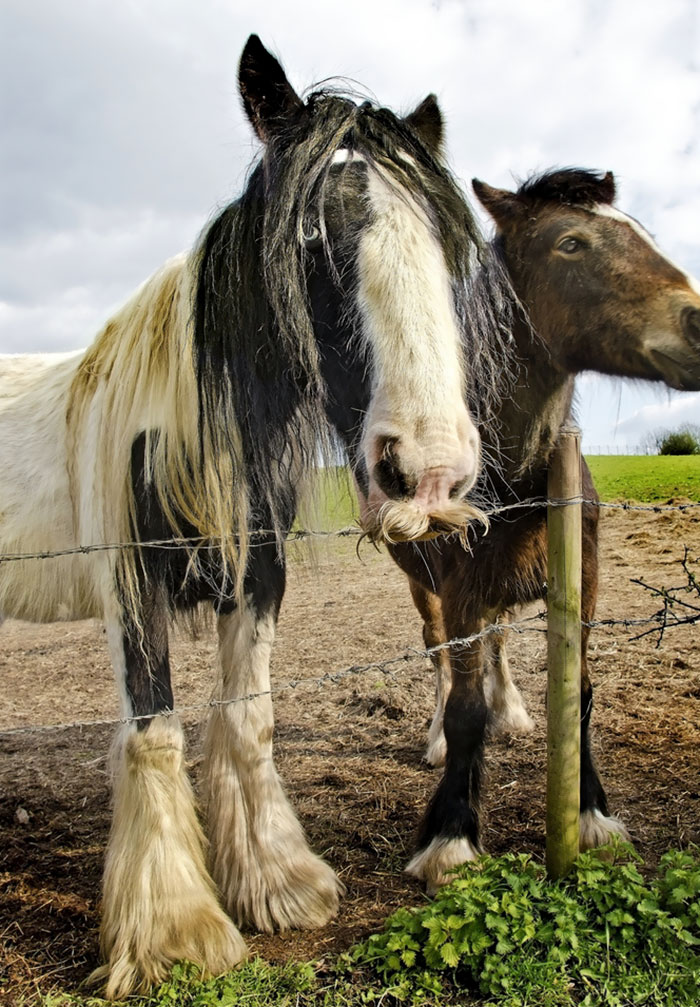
<point x="570" y="245"/>
<point x="312" y="237"/>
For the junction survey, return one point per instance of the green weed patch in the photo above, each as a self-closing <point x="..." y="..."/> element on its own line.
<point x="605" y="937"/>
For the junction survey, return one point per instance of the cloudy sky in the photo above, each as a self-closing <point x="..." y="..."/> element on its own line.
<point x="122" y="132"/>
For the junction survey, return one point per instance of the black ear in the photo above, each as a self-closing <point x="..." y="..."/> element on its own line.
<point x="608" y="188"/>
<point x="502" y="205"/>
<point x="426" y="121"/>
<point x="269" y="100"/>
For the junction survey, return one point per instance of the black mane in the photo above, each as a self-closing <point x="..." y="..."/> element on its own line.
<point x="256" y="358"/>
<point x="570" y="186"/>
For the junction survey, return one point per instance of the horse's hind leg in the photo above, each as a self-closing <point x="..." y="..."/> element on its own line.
<point x="506" y="708"/>
<point x="268" y="876"/>
<point x="159" y="903"/>
<point x="430" y="609"/>
<point x="597" y="825"/>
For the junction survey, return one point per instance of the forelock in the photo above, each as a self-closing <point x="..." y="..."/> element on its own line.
<point x="570" y="187"/>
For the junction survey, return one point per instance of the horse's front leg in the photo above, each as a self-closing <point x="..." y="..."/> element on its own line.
<point x="449" y="833"/>
<point x="159" y="903"/>
<point x="430" y="609"/>
<point x="260" y="859"/>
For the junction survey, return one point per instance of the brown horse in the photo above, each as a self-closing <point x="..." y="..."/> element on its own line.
<point x="594" y="293"/>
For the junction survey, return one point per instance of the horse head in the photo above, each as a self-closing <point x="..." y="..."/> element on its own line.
<point x="366" y="247"/>
<point x="584" y="268"/>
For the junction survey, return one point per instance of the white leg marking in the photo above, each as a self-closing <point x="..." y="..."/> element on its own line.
<point x="434" y="864"/>
<point x="597" y="829"/>
<point x="437" y="745"/>
<point x="159" y="903"/>
<point x="505" y="703"/>
<point x="260" y="859"/>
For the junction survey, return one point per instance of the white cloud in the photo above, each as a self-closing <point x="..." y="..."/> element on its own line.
<point x="656" y="416"/>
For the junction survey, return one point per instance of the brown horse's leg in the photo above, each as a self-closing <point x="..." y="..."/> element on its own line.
<point x="430" y="608"/>
<point x="449" y="833"/>
<point x="597" y="826"/>
<point x="506" y="707"/>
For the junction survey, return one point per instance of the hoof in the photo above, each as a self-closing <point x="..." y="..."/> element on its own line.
<point x="138" y="961"/>
<point x="597" y="829"/>
<point x="507" y="711"/>
<point x="293" y="893"/>
<point x="434" y="864"/>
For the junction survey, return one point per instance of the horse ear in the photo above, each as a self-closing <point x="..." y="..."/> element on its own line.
<point x="269" y="100"/>
<point x="426" y="121"/>
<point x="502" y="205"/>
<point x="608" y="187"/>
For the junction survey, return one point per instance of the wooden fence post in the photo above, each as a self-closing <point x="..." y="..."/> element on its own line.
<point x="564" y="654"/>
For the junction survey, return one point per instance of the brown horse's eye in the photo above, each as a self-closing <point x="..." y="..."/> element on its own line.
<point x="570" y="245"/>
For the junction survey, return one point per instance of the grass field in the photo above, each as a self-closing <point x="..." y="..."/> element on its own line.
<point x="644" y="478"/>
<point x="647" y="478"/>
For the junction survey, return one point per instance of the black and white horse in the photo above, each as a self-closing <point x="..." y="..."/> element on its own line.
<point x="333" y="295"/>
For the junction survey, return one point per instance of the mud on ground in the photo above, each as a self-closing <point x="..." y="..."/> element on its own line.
<point x="349" y="751"/>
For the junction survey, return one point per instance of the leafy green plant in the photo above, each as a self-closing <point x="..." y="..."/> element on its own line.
<point x="603" y="936"/>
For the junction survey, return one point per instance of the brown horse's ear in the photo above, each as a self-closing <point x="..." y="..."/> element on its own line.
<point x="502" y="205"/>
<point x="426" y="121"/>
<point x="608" y="187"/>
<point x="269" y="100"/>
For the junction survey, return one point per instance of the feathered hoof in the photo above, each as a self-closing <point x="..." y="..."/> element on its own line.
<point x="434" y="865"/>
<point x="513" y="720"/>
<point x="436" y="752"/>
<point x="296" y="893"/>
<point x="137" y="961"/>
<point x="507" y="710"/>
<point x="597" y="829"/>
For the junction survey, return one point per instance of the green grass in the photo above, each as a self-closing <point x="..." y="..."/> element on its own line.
<point x="255" y="984"/>
<point x="646" y="478"/>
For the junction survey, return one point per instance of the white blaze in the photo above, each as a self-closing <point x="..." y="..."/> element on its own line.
<point x="406" y="304"/>
<point x="605" y="210"/>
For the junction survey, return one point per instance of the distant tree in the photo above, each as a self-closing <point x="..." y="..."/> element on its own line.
<point x="683" y="441"/>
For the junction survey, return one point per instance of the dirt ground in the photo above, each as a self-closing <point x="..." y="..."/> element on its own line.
<point x="349" y="751"/>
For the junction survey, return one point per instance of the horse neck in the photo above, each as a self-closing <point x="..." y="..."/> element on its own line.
<point x="530" y="417"/>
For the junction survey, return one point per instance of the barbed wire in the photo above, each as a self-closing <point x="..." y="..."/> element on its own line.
<point x="408" y="655"/>
<point x="662" y="620"/>
<point x="202" y="542"/>
<point x="665" y="618"/>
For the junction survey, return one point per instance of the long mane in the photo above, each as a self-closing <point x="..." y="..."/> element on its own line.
<point x="216" y="359"/>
